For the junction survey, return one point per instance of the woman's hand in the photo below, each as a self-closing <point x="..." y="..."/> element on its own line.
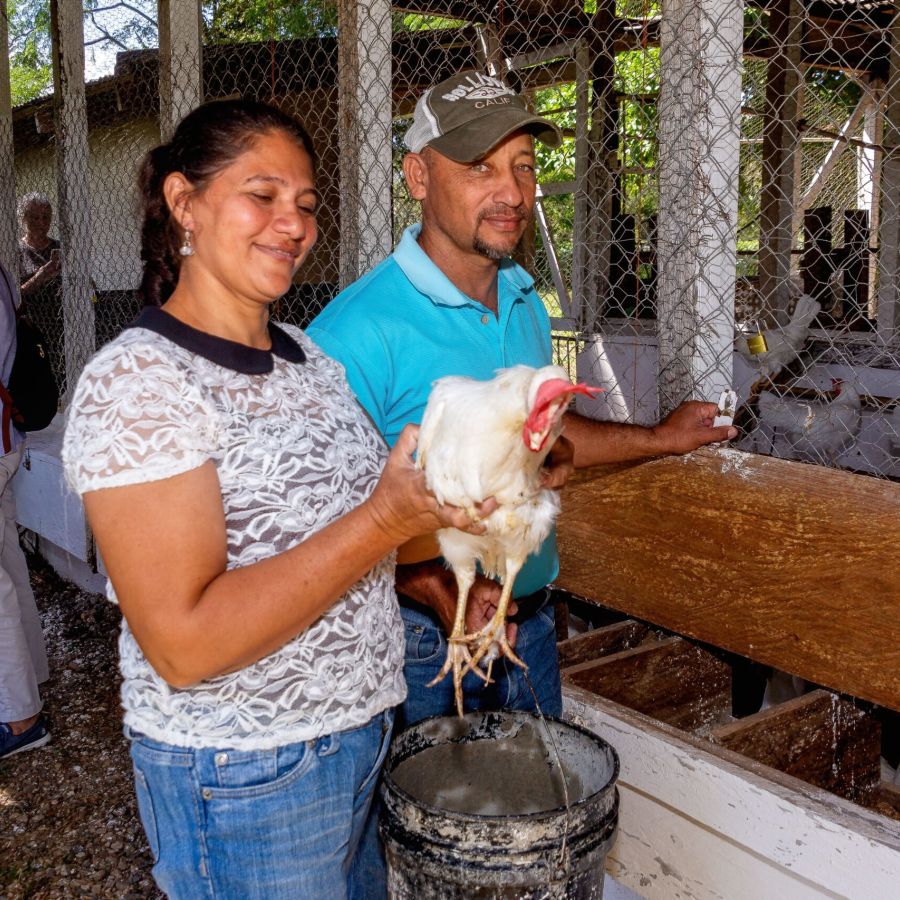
<point x="47" y="272"/>
<point x="404" y="507"/>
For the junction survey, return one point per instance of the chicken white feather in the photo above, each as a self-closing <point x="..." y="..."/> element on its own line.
<point x="784" y="344"/>
<point x="481" y="439"/>
<point x="817" y="430"/>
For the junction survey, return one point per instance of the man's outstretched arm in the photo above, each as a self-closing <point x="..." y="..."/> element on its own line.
<point x="684" y="429"/>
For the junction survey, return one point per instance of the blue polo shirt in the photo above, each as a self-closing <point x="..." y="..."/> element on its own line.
<point x="405" y="324"/>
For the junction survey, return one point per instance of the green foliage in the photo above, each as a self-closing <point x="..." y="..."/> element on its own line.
<point x="30" y="67"/>
<point x="234" y="21"/>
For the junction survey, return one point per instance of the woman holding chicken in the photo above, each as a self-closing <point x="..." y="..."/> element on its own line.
<point x="237" y="495"/>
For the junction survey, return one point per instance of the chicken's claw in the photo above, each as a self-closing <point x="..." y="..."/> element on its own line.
<point x="491" y="644"/>
<point x="459" y="661"/>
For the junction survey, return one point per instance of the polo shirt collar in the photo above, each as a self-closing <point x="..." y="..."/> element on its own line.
<point x="429" y="280"/>
<point x="230" y="354"/>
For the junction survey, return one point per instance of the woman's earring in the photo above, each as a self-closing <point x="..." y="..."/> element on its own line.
<point x="187" y="248"/>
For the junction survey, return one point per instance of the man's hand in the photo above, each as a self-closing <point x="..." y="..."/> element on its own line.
<point x="432" y="584"/>
<point x="689" y="427"/>
<point x="559" y="464"/>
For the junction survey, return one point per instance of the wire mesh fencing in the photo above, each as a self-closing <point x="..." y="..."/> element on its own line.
<point x="722" y="211"/>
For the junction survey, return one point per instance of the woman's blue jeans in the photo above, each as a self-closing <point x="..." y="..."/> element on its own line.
<point x="268" y="824"/>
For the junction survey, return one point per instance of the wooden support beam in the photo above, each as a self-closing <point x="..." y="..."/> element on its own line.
<point x="889" y="237"/>
<point x="180" y="62"/>
<point x="602" y="642"/>
<point x="818" y="738"/>
<point x="598" y="176"/>
<point x="868" y="179"/>
<point x="672" y="680"/>
<point x="816" y="264"/>
<point x="791" y="565"/>
<point x="364" y="112"/>
<point x="780" y="144"/>
<point x="72" y="179"/>
<point x="696" y="820"/>
<point x="847" y="130"/>
<point x="9" y="226"/>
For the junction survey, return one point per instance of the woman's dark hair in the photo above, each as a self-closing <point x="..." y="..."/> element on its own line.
<point x="206" y="141"/>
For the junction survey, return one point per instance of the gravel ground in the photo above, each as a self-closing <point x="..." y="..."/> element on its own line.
<point x="68" y="819"/>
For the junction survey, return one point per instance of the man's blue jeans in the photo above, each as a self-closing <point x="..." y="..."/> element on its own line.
<point x="268" y="824"/>
<point x="426" y="650"/>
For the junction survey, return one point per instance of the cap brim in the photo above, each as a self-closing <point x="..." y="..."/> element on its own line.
<point x="478" y="137"/>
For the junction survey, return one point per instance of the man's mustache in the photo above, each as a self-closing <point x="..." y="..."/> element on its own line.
<point x="516" y="212"/>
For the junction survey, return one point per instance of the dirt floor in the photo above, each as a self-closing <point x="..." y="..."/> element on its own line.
<point x="68" y="820"/>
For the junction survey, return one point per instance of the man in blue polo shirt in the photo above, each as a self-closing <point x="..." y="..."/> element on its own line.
<point x="450" y="301"/>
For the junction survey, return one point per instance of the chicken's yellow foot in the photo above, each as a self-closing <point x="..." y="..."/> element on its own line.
<point x="459" y="661"/>
<point x="491" y="642"/>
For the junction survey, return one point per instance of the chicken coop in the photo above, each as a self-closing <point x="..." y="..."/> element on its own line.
<point x="723" y="213"/>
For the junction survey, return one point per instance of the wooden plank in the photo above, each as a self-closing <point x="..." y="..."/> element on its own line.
<point x="9" y="226"/>
<point x="602" y="642"/>
<point x="780" y="143"/>
<point x="672" y="680"/>
<point x="700" y="821"/>
<point x="791" y="565"/>
<point x="818" y="738"/>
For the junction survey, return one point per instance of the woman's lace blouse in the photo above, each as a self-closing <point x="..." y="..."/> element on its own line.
<point x="293" y="451"/>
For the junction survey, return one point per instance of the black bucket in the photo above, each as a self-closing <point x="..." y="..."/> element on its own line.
<point x="475" y="808"/>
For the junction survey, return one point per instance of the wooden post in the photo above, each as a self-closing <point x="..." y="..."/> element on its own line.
<point x="816" y="264"/>
<point x="580" y="276"/>
<point x="699" y="146"/>
<point x="855" y="297"/>
<point x="180" y="62"/>
<point x="869" y="178"/>
<point x="9" y="255"/>
<point x="601" y="166"/>
<point x="364" y="128"/>
<point x="70" y="121"/>
<point x="889" y="236"/>
<point x="780" y="144"/>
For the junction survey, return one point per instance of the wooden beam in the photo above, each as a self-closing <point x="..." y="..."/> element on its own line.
<point x="602" y="642"/>
<point x="697" y="821"/>
<point x="672" y="680"/>
<point x="364" y="103"/>
<point x="791" y="565"/>
<point x="72" y="179"/>
<point x="9" y="226"/>
<point x="180" y="62"/>
<point x="889" y="231"/>
<point x="817" y="738"/>
<point x="780" y="144"/>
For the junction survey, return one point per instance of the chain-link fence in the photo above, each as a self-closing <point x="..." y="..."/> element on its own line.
<point x="722" y="212"/>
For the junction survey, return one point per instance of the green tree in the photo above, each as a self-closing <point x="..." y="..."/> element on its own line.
<point x="29" y="49"/>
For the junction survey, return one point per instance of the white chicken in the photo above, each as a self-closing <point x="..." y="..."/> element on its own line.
<point x="482" y="439"/>
<point x="783" y="344"/>
<point x="818" y="431"/>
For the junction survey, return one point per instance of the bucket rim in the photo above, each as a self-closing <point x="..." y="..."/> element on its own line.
<point x="521" y="817"/>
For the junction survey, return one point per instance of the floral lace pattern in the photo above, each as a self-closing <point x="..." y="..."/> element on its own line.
<point x="293" y="451"/>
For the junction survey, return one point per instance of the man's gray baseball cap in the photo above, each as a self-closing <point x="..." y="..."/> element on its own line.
<point x="468" y="114"/>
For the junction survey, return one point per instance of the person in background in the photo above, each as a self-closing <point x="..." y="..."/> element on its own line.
<point x="40" y="278"/>
<point x="247" y="512"/>
<point x="451" y="301"/>
<point x="23" y="657"/>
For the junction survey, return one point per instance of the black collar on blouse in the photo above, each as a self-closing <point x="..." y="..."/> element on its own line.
<point x="230" y="354"/>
